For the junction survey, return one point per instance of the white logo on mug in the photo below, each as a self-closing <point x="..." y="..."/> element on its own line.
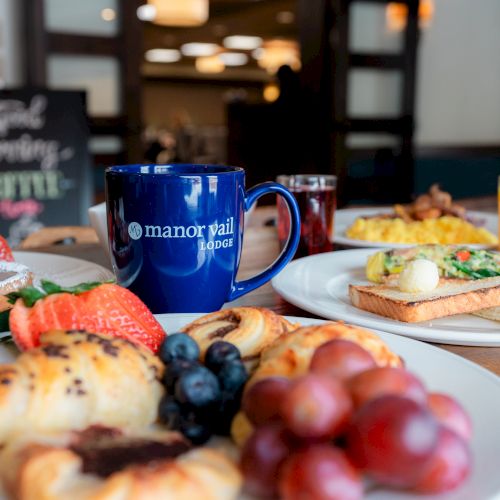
<point x="135" y="230"/>
<point x="211" y="237"/>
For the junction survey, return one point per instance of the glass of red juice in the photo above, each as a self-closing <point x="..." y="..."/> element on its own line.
<point x="316" y="197"/>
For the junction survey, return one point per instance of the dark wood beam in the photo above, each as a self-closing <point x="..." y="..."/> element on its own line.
<point x="377" y="61"/>
<point x="63" y="43"/>
<point x="35" y="42"/>
<point x="108" y="125"/>
<point x="398" y="126"/>
<point x="202" y="82"/>
<point x="407" y="2"/>
<point x="411" y="34"/>
<point x="131" y="53"/>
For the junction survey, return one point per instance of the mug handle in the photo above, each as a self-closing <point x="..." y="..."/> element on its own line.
<point x="240" y="288"/>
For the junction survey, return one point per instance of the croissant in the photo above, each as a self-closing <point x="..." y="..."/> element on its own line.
<point x="111" y="463"/>
<point x="290" y="355"/>
<point x="75" y="379"/>
<point x="251" y="329"/>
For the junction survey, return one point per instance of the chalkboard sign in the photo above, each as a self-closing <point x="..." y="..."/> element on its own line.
<point x="45" y="167"/>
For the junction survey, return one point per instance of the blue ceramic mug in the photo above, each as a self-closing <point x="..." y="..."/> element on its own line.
<point x="175" y="233"/>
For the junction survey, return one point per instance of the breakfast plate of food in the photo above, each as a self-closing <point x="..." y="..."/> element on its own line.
<point x="431" y="218"/>
<point x="363" y="286"/>
<point x="220" y="407"/>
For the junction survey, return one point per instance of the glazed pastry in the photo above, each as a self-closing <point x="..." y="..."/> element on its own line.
<point x="110" y="464"/>
<point x="75" y="379"/>
<point x="290" y="355"/>
<point x="13" y="277"/>
<point x="251" y="329"/>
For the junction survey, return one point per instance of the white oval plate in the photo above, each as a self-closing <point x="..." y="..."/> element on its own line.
<point x="319" y="284"/>
<point x="476" y="388"/>
<point x="66" y="271"/>
<point x="344" y="218"/>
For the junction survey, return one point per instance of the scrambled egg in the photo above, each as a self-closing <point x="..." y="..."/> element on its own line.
<point x="444" y="230"/>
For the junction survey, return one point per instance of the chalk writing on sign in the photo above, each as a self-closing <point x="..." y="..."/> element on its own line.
<point x="44" y="162"/>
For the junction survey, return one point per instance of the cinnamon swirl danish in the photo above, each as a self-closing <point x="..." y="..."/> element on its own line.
<point x="251" y="329"/>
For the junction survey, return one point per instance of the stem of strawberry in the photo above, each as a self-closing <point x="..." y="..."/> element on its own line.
<point x="31" y="294"/>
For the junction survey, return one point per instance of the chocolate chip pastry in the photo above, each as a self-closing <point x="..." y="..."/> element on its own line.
<point x="251" y="329"/>
<point x="75" y="379"/>
<point x="102" y="463"/>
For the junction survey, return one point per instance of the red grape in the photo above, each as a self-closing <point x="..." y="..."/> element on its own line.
<point x="450" y="464"/>
<point x="316" y="407"/>
<point x="264" y="451"/>
<point x="321" y="472"/>
<point x="385" y="380"/>
<point x="262" y="401"/>
<point x="451" y="414"/>
<point x="341" y="358"/>
<point x="392" y="438"/>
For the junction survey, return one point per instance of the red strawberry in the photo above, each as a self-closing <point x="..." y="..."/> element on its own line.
<point x="119" y="310"/>
<point x="5" y="251"/>
<point x="101" y="308"/>
<point x="19" y="324"/>
<point x="62" y="311"/>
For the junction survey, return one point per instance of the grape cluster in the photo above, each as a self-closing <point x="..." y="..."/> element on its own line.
<point x="317" y="436"/>
<point x="200" y="399"/>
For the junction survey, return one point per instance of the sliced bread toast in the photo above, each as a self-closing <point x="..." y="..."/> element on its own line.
<point x="450" y="297"/>
<point x="492" y="313"/>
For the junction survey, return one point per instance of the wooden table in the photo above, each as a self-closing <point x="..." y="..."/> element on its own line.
<point x="259" y="250"/>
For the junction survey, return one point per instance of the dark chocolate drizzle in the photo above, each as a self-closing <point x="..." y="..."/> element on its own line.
<point x="105" y="451"/>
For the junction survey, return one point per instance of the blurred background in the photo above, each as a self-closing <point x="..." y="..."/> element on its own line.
<point x="390" y="97"/>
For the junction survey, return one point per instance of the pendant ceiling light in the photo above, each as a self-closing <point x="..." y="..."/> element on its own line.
<point x="210" y="64"/>
<point x="179" y="12"/>
<point x="276" y="53"/>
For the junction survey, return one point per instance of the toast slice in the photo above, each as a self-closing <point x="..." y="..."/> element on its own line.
<point x="492" y="313"/>
<point x="450" y="297"/>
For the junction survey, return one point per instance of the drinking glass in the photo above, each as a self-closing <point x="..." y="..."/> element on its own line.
<point x="316" y="198"/>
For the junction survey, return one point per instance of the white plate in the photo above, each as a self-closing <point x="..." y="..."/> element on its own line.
<point x="319" y="284"/>
<point x="346" y="217"/>
<point x="66" y="271"/>
<point x="476" y="388"/>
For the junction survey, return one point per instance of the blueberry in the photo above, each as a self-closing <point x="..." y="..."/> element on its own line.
<point x="232" y="376"/>
<point x="219" y="353"/>
<point x="174" y="370"/>
<point x="228" y="408"/>
<point x="197" y="387"/>
<point x="197" y="432"/>
<point x="169" y="412"/>
<point x="178" y="346"/>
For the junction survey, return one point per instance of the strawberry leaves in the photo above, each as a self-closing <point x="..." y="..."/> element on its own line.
<point x="31" y="294"/>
